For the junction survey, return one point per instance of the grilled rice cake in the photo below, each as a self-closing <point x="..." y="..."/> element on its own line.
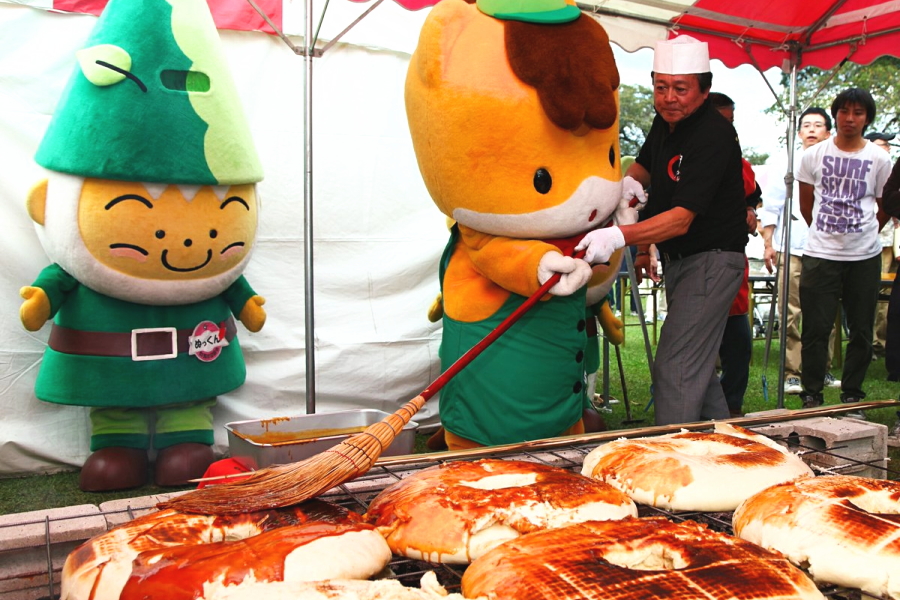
<point x="694" y="470"/>
<point x="457" y="511"/>
<point x="172" y="555"/>
<point x="845" y="530"/>
<point x="634" y="559"/>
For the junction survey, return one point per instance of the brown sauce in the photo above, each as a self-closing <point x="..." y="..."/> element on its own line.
<point x="278" y="438"/>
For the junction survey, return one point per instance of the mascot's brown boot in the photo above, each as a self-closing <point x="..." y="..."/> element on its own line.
<point x="178" y="464"/>
<point x="114" y="468"/>
<point x="593" y="421"/>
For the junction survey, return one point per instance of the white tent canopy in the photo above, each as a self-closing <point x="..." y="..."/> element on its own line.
<point x="378" y="237"/>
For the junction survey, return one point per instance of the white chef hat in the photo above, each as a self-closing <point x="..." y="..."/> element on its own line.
<point x="681" y="55"/>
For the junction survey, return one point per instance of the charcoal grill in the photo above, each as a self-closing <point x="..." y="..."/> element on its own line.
<point x="567" y="453"/>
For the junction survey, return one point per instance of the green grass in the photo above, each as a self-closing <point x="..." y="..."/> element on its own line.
<point x="51" y="491"/>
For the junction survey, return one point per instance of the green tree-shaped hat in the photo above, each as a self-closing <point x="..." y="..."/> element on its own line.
<point x="152" y="100"/>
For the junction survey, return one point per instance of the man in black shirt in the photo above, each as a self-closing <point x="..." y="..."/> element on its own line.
<point x="697" y="216"/>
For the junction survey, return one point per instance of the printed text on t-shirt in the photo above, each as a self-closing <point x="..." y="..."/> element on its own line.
<point x="843" y="187"/>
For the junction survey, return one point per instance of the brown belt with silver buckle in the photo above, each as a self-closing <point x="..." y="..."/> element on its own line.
<point x="150" y="342"/>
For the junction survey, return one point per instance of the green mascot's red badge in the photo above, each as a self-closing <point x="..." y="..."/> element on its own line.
<point x="207" y="341"/>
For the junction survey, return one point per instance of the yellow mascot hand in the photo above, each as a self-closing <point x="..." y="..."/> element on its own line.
<point x="252" y="315"/>
<point x="436" y="310"/>
<point x="35" y="311"/>
<point x="612" y="327"/>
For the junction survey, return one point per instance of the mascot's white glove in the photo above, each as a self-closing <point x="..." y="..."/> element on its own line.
<point x="575" y="273"/>
<point x="633" y="200"/>
<point x="600" y="244"/>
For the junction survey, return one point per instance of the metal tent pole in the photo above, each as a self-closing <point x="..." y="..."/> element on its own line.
<point x="785" y="273"/>
<point x="309" y="52"/>
<point x="636" y="296"/>
<point x="308" y="287"/>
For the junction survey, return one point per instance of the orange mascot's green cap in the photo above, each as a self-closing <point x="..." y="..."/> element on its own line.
<point x="530" y="11"/>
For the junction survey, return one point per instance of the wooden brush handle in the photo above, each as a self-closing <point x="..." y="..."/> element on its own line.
<point x="464" y="360"/>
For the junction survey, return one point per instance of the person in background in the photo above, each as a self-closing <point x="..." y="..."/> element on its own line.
<point x="814" y="126"/>
<point x="697" y="217"/>
<point x="882" y="140"/>
<point x="888" y="262"/>
<point x="890" y="202"/>
<point x="736" y="348"/>
<point x="841" y="182"/>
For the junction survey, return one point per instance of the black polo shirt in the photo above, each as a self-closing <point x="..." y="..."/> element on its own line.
<point x="698" y="167"/>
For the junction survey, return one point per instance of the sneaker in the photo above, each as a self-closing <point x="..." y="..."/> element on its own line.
<point x="792" y="385"/>
<point x="811" y="400"/>
<point x="895" y="430"/>
<point x="857" y="414"/>
<point x="831" y="382"/>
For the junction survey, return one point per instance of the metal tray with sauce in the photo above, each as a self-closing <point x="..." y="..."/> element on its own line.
<point x="264" y="442"/>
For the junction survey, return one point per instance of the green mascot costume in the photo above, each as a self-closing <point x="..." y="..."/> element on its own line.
<point x="149" y="215"/>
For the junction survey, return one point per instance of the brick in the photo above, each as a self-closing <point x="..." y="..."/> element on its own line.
<point x="29" y="529"/>
<point x="843" y="445"/>
<point x="26" y="568"/>
<point x="33" y="593"/>
<point x="876" y="469"/>
<point x="121" y="511"/>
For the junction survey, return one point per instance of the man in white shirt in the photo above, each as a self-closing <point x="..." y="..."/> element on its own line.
<point x="815" y="126"/>
<point x="841" y="181"/>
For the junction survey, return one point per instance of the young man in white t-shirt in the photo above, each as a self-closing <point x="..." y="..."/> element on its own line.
<point x="815" y="126"/>
<point x="841" y="180"/>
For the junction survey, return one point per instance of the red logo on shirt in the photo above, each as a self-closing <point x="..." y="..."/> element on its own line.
<point x="674" y="168"/>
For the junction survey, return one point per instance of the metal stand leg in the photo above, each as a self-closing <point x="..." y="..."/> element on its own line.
<point x="637" y="299"/>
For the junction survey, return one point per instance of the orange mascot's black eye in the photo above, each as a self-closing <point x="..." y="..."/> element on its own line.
<point x="612" y="156"/>
<point x="542" y="181"/>
<point x="213" y="233"/>
<point x="160" y="234"/>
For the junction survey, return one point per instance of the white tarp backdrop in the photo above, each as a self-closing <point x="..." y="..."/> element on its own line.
<point x="378" y="237"/>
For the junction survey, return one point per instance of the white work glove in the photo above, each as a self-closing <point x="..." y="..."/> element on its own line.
<point x="575" y="273"/>
<point x="600" y="244"/>
<point x="632" y="194"/>
<point x="632" y="188"/>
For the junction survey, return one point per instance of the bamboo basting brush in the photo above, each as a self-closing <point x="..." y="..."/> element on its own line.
<point x="286" y="485"/>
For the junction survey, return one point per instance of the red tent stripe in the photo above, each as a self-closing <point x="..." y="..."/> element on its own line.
<point x="228" y="14"/>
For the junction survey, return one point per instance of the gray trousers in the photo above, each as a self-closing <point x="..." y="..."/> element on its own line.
<point x="699" y="291"/>
<point x="824" y="286"/>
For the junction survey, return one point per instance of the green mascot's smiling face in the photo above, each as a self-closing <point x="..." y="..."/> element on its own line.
<point x="167" y="235"/>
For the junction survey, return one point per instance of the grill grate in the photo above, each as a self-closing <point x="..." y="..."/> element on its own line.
<point x="357" y="494"/>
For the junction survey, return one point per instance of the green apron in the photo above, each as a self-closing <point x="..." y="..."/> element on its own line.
<point x="528" y="384"/>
